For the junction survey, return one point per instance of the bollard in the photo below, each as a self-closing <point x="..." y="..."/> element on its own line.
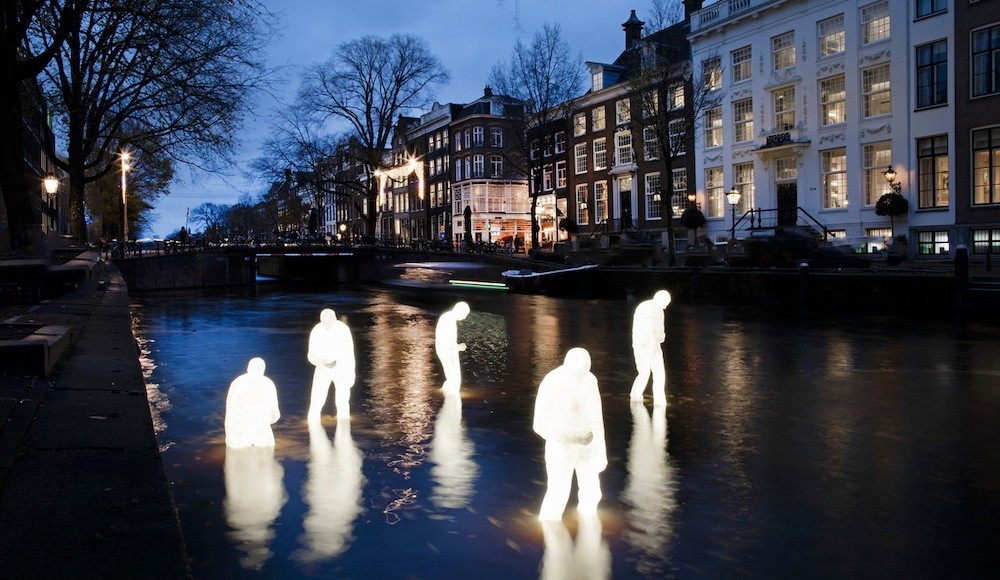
<point x="804" y="282"/>
<point x="961" y="273"/>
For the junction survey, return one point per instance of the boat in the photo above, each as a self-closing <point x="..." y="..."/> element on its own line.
<point x="566" y="281"/>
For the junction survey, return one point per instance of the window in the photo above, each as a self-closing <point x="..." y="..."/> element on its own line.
<point x="458" y="141"/>
<point x="650" y="104"/>
<point x="932" y="172"/>
<point x="986" y="166"/>
<point x="986" y="61"/>
<point x="875" y="22"/>
<point x="468" y="168"/>
<point x="561" y="142"/>
<point x="547" y="178"/>
<point x="783" y="50"/>
<point x="477" y="136"/>
<point x="711" y="73"/>
<point x="623" y="148"/>
<point x="650" y="144"/>
<point x="831" y="35"/>
<point x="928" y="7"/>
<point x="597" y="119"/>
<point x="580" y="158"/>
<point x="600" y="201"/>
<point x="832" y="95"/>
<point x="743" y="120"/>
<point x="600" y="154"/>
<point x="430" y="143"/>
<point x="713" y="127"/>
<point x="675" y="96"/>
<point x="582" y="216"/>
<point x="785" y="169"/>
<point x="547" y="149"/>
<point x="477" y="166"/>
<point x="744" y="184"/>
<point x="444" y="138"/>
<point x="784" y="109"/>
<point x="833" y="172"/>
<point x="875" y="234"/>
<point x="468" y="138"/>
<point x="713" y="192"/>
<point x="653" y="211"/>
<point x="932" y="74"/>
<point x="932" y="243"/>
<point x="877" y="156"/>
<point x="875" y="90"/>
<point x="597" y="80"/>
<point x="676" y="132"/>
<point x="742" y="65"/>
<point x="496" y="166"/>
<point x="496" y="136"/>
<point x="458" y="170"/>
<point x="560" y="174"/>
<point x="986" y="241"/>
<point x="680" y="191"/>
<point x="533" y="150"/>
<point x="579" y="124"/>
<point x="622" y="113"/>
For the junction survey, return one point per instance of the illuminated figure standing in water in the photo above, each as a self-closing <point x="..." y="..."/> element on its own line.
<point x="251" y="407"/>
<point x="569" y="417"/>
<point x="647" y="337"/>
<point x="448" y="347"/>
<point x="331" y="351"/>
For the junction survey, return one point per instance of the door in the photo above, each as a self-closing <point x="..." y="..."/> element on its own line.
<point x="788" y="204"/>
<point x="625" y="202"/>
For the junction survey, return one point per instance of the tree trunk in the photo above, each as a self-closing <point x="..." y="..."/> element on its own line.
<point x="24" y="215"/>
<point x="534" y="222"/>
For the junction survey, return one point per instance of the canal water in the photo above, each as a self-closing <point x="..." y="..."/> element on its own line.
<point x="793" y="444"/>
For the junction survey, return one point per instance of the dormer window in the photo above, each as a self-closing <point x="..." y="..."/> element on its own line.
<point x="597" y="80"/>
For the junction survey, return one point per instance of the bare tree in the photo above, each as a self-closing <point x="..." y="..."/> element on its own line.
<point x="671" y="107"/>
<point x="663" y="13"/>
<point x="368" y="83"/>
<point x="546" y="76"/>
<point x="170" y="78"/>
<point x="22" y="60"/>
<point x="212" y="216"/>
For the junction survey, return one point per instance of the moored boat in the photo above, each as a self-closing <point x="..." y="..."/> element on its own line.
<point x="566" y="281"/>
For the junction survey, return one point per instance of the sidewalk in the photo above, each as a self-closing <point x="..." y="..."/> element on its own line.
<point x="83" y="492"/>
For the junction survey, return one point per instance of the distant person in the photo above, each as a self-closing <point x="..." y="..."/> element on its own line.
<point x="647" y="337"/>
<point x="569" y="416"/>
<point x="331" y="351"/>
<point x="251" y="408"/>
<point x="448" y="347"/>
<point x="183" y="236"/>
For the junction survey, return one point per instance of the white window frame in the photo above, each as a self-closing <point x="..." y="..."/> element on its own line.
<point x="496" y="136"/>
<point x="580" y="158"/>
<point x="743" y="120"/>
<point x="783" y="50"/>
<point x="650" y="144"/>
<point x="496" y="165"/>
<point x="743" y="180"/>
<point x="875" y="158"/>
<point x="478" y="134"/>
<point x="478" y="165"/>
<point x="654" y="210"/>
<point x="598" y="118"/>
<point x="582" y="195"/>
<point x="560" y="174"/>
<point x="579" y="124"/>
<point x="561" y="142"/>
<point x="623" y="111"/>
<point x="714" y="196"/>
<point x="711" y="72"/>
<point x="600" y="154"/>
<point x="623" y="148"/>
<point x="831" y="35"/>
<point x="713" y="127"/>
<point x="784" y="108"/>
<point x="679" y="201"/>
<point x="833" y="100"/>
<point x="742" y="64"/>
<point x="833" y="176"/>
<point x="875" y="24"/>
<point x="876" y="90"/>
<point x="600" y="201"/>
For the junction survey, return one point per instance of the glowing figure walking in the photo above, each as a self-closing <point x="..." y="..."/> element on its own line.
<point x="251" y="407"/>
<point x="447" y="345"/>
<point x="647" y="337"/>
<point x="331" y="351"/>
<point x="568" y="415"/>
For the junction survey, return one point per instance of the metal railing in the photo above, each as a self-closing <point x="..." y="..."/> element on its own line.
<point x="768" y="219"/>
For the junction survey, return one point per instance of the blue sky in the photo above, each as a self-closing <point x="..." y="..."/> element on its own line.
<point x="468" y="36"/>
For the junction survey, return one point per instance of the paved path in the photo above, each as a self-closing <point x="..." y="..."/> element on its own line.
<point x="83" y="492"/>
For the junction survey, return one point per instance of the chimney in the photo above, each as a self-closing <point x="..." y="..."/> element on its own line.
<point x="633" y="30"/>
<point x="487" y="92"/>
<point x="690" y="7"/>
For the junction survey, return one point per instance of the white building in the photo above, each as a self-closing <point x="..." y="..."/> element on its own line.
<point x="819" y="99"/>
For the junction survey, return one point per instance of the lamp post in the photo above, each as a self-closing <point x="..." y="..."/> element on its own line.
<point x="125" y="167"/>
<point x="51" y="184"/>
<point x="890" y="176"/>
<point x="733" y="197"/>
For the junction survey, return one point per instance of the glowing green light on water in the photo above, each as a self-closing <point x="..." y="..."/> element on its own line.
<point x="478" y="284"/>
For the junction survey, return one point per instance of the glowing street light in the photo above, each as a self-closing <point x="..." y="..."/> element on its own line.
<point x="51" y="183"/>
<point x="733" y="197"/>
<point x="125" y="167"/>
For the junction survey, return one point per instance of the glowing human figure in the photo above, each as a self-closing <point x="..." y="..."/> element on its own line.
<point x="331" y="351"/>
<point x="251" y="407"/>
<point x="569" y="417"/>
<point x="647" y="337"/>
<point x="447" y="345"/>
<point x="588" y="558"/>
<point x="254" y="498"/>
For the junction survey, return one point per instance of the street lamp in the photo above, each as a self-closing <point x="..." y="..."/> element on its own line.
<point x="125" y="167"/>
<point x="890" y="176"/>
<point x="51" y="183"/>
<point x="733" y="197"/>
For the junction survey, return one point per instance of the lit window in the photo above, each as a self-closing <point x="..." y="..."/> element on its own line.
<point x="651" y="144"/>
<point x="785" y="169"/>
<point x="932" y="171"/>
<point x="833" y="170"/>
<point x="547" y="149"/>
<point x="713" y="192"/>
<point x="986" y="241"/>
<point x="744" y="184"/>
<point x="653" y="210"/>
<point x="560" y="174"/>
<point x="675" y="95"/>
<point x="783" y="50"/>
<point x="784" y="109"/>
<point x="743" y="120"/>
<point x="877" y="156"/>
<point x="932" y="243"/>
<point x="580" y="157"/>
<point x="742" y="64"/>
<point x="831" y="35"/>
<point x="597" y="119"/>
<point x="458" y="141"/>
<point x="832" y="96"/>
<point x="986" y="166"/>
<point x="579" y="124"/>
<point x="713" y="127"/>
<point x="623" y="148"/>
<point x="600" y="154"/>
<point x="679" y="201"/>
<point x="711" y="72"/>
<point x="677" y="132"/>
<point x="622" y="112"/>
<point x="582" y="216"/>
<point x="875" y="90"/>
<point x="597" y="80"/>
<point x="875" y="22"/>
<point x="547" y="178"/>
<point x="601" y="201"/>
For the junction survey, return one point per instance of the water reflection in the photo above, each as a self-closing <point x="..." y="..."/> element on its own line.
<point x="254" y="497"/>
<point x="650" y="489"/>
<point x="589" y="558"/>
<point x="454" y="471"/>
<point x="332" y="493"/>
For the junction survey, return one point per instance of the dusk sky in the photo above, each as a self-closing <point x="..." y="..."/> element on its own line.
<point x="468" y="36"/>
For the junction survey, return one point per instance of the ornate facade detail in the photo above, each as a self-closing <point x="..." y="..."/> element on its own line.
<point x="828" y="69"/>
<point x="832" y="136"/>
<point x="884" y="54"/>
<point x="741" y="93"/>
<point x="887" y="127"/>
<point x="741" y="153"/>
<point x="715" y="157"/>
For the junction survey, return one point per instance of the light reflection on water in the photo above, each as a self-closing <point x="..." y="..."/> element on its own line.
<point x="792" y="444"/>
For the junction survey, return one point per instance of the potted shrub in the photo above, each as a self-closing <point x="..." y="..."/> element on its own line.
<point x="892" y="204"/>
